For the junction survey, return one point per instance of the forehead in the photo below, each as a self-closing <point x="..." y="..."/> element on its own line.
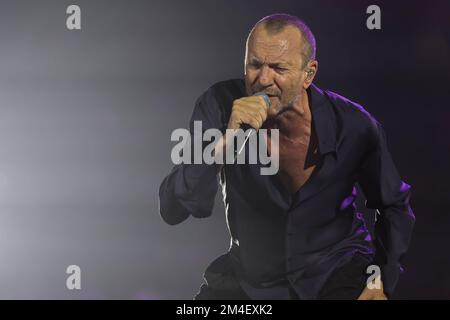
<point x="286" y="44"/>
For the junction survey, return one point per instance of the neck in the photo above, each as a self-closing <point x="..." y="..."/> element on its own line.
<point x="295" y="121"/>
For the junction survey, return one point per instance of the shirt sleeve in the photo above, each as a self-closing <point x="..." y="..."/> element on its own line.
<point x="190" y="189"/>
<point x="390" y="196"/>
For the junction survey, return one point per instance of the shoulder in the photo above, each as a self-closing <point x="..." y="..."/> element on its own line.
<point x="351" y="109"/>
<point x="225" y="90"/>
<point x="354" y="116"/>
<point x="213" y="106"/>
<point x="230" y="86"/>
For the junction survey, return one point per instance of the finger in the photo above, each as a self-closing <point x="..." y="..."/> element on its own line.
<point x="261" y="112"/>
<point x="250" y="120"/>
<point x="257" y="102"/>
<point x="263" y="100"/>
<point x="256" y="116"/>
<point x="246" y="110"/>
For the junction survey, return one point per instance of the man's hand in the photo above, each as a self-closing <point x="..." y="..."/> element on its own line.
<point x="250" y="110"/>
<point x="373" y="294"/>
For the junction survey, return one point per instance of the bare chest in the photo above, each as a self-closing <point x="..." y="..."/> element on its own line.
<point x="298" y="155"/>
<point x="298" y="159"/>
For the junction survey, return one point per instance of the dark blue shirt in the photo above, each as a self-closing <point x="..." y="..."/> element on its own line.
<point x="279" y="238"/>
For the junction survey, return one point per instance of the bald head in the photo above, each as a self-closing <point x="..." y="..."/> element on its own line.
<point x="278" y="23"/>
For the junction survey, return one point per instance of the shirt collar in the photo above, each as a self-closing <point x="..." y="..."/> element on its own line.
<point x="324" y="119"/>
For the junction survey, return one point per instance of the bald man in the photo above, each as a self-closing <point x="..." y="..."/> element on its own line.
<point x="296" y="234"/>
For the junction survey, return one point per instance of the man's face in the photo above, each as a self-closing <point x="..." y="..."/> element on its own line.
<point x="273" y="65"/>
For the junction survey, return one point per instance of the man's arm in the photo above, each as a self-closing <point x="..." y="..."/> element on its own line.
<point x="389" y="195"/>
<point x="190" y="189"/>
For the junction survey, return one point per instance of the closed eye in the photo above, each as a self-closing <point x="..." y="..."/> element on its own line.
<point x="280" y="69"/>
<point x="255" y="65"/>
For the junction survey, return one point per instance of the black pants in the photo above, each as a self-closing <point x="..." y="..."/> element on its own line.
<point x="345" y="283"/>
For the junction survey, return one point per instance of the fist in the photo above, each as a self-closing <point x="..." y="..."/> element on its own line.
<point x="249" y="110"/>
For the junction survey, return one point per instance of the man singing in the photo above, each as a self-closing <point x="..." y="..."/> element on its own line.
<point x="296" y="234"/>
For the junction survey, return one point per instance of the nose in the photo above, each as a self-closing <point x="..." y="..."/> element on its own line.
<point x="265" y="77"/>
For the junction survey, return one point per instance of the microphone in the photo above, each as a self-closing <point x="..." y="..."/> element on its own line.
<point x="245" y="126"/>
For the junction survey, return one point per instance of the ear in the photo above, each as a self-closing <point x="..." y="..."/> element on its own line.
<point x="311" y="71"/>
